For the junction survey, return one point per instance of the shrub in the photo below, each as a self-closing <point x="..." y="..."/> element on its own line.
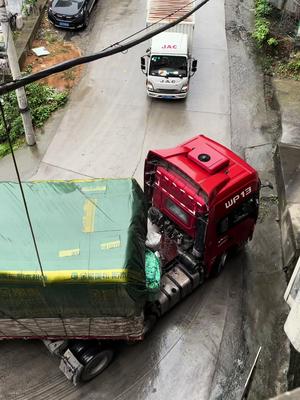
<point x="42" y="101"/>
<point x="261" y="31"/>
<point x="272" y="42"/>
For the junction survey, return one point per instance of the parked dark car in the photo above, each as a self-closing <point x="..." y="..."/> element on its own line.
<point x="70" y="14"/>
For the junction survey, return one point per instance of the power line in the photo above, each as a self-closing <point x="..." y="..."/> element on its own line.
<point x="17" y="83"/>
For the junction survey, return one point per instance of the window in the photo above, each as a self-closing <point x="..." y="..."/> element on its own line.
<point x="248" y="208"/>
<point x="168" y="66"/>
<point x="177" y="211"/>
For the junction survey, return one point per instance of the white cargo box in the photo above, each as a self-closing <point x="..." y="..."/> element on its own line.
<point x="158" y="9"/>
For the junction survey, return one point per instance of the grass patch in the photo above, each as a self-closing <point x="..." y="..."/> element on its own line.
<point x="290" y="69"/>
<point x="4" y="147"/>
<point x="42" y="101"/>
<point x="50" y="37"/>
<point x="275" y="40"/>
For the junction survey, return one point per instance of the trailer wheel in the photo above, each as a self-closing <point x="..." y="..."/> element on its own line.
<point x="218" y="265"/>
<point x="95" y="362"/>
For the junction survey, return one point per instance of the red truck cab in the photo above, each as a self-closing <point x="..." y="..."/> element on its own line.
<point x="204" y="198"/>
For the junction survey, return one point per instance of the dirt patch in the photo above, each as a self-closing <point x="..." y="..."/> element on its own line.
<point x="59" y="51"/>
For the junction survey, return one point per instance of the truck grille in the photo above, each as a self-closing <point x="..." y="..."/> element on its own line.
<point x="64" y="17"/>
<point x="167" y="91"/>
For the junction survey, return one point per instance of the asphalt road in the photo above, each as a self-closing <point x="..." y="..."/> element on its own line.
<point x="105" y="131"/>
<point x="110" y="123"/>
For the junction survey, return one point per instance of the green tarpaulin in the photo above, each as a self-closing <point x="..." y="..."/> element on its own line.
<point x="91" y="239"/>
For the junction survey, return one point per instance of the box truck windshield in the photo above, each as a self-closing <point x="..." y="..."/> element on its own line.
<point x="171" y="66"/>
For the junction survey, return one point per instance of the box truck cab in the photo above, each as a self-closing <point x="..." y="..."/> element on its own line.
<point x="168" y="63"/>
<point x="169" y="66"/>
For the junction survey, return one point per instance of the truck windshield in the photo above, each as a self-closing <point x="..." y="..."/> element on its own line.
<point x="168" y="66"/>
<point x="177" y="211"/>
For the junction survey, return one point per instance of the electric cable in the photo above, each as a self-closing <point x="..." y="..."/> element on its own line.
<point x="25" y="80"/>
<point x="6" y="128"/>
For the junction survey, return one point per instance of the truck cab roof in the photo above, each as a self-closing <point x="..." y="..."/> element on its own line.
<point x="170" y="43"/>
<point x="211" y="167"/>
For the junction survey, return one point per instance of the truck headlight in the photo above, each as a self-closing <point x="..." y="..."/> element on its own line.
<point x="184" y="88"/>
<point x="150" y="86"/>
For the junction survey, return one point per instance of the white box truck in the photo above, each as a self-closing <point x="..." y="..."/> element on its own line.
<point x="168" y="63"/>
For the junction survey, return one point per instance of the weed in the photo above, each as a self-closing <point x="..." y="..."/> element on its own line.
<point x="272" y="42"/>
<point x="42" y="101"/>
<point x="261" y="30"/>
<point x="290" y="69"/>
<point x="69" y="75"/>
<point x="261" y="33"/>
<point x="50" y="37"/>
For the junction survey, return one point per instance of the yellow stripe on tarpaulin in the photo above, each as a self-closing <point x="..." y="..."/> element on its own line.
<point x="69" y="253"/>
<point x="110" y="245"/>
<point x="79" y="180"/>
<point x="94" y="189"/>
<point x="89" y="210"/>
<point x="69" y="276"/>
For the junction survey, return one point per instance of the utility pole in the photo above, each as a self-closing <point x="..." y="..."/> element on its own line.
<point x="16" y="73"/>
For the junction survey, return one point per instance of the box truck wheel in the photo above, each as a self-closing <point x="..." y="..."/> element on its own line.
<point x="218" y="266"/>
<point x="95" y="362"/>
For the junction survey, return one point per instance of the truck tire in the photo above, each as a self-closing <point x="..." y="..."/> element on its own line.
<point x="95" y="362"/>
<point x="86" y="20"/>
<point x="218" y="266"/>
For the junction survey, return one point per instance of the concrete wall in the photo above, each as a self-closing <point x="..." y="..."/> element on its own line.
<point x="287" y="161"/>
<point x="291" y="6"/>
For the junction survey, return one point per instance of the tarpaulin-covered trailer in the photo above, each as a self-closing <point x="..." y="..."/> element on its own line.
<point x="91" y="239"/>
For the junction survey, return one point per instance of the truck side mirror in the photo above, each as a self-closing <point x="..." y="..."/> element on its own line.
<point x="194" y="66"/>
<point x="143" y="65"/>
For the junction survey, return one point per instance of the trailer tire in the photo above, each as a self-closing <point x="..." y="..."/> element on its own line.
<point x="218" y="266"/>
<point x="79" y="347"/>
<point x="95" y="362"/>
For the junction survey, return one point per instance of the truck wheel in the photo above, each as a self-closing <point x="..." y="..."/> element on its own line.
<point x="218" y="265"/>
<point x="86" y="20"/>
<point x="95" y="362"/>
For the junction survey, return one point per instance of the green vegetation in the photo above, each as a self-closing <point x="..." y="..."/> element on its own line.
<point x="261" y="33"/>
<point x="42" y="101"/>
<point x="275" y="41"/>
<point x="290" y="69"/>
<point x="50" y="37"/>
<point x="28" y="4"/>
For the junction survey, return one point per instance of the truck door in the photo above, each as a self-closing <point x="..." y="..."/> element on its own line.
<point x="237" y="226"/>
<point x="230" y="228"/>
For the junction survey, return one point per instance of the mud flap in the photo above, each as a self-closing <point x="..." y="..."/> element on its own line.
<point x="71" y="367"/>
